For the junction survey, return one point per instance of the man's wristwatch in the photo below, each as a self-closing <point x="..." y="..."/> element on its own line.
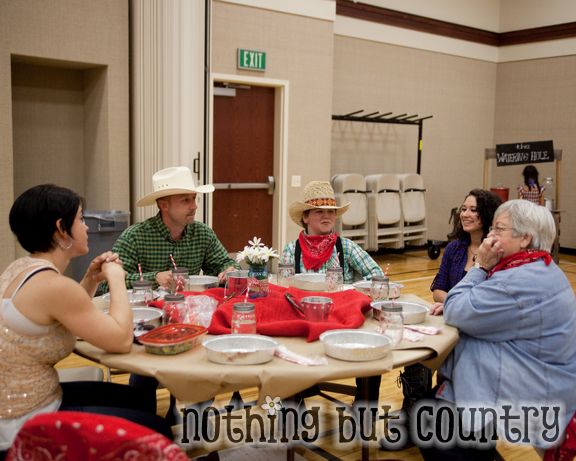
<point x="478" y="266"/>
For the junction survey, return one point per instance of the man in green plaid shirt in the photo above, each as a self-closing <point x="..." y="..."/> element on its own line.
<point x="150" y="249"/>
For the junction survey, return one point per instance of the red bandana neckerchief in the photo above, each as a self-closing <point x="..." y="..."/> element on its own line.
<point x="316" y="249"/>
<point x="519" y="259"/>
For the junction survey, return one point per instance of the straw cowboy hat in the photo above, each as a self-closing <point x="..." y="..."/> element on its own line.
<point x="173" y="181"/>
<point x="317" y="195"/>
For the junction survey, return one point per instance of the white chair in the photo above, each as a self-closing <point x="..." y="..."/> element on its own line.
<point x="354" y="223"/>
<point x="385" y="226"/>
<point x="87" y="373"/>
<point x="413" y="208"/>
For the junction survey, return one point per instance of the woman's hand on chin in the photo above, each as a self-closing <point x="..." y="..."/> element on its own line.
<point x="489" y="253"/>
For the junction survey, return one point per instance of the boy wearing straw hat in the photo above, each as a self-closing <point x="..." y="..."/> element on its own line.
<point x="149" y="250"/>
<point x="318" y="247"/>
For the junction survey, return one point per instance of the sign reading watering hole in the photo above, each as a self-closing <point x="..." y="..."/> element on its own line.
<point x="524" y="152"/>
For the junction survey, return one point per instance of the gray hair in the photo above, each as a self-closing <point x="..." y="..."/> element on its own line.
<point x="527" y="218"/>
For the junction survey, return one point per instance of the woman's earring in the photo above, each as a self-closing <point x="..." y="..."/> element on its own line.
<point x="67" y="247"/>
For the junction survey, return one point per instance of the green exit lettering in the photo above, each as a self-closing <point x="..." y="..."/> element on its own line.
<point x="251" y="59"/>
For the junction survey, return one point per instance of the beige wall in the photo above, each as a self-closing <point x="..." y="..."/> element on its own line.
<point x="48" y="126"/>
<point x="77" y="137"/>
<point x="536" y="100"/>
<point x="458" y="92"/>
<point x="299" y="50"/>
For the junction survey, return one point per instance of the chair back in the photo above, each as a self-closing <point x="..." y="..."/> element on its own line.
<point x="567" y="449"/>
<point x="87" y="436"/>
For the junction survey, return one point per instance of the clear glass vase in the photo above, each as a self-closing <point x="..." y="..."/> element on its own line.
<point x="258" y="286"/>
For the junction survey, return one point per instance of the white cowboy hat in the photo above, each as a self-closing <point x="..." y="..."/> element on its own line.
<point x="317" y="195"/>
<point x="173" y="181"/>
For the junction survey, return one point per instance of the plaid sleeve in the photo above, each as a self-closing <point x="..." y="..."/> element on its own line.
<point x="358" y="262"/>
<point x="288" y="252"/>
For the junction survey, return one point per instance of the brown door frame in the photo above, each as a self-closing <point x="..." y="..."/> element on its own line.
<point x="280" y="211"/>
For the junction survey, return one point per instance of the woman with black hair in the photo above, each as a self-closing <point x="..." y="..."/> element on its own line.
<point x="531" y="189"/>
<point x="476" y="215"/>
<point x="42" y="312"/>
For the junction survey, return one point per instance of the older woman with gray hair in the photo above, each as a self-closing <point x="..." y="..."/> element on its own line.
<point x="516" y="313"/>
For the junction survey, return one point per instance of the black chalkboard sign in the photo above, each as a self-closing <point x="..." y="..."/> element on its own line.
<point x="524" y="152"/>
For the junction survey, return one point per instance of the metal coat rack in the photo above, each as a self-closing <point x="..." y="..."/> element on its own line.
<point x="388" y="117"/>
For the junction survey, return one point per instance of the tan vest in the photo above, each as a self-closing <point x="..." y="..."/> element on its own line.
<point x="28" y="379"/>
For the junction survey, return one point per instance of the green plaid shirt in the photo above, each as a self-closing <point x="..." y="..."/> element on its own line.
<point x="357" y="263"/>
<point x="150" y="244"/>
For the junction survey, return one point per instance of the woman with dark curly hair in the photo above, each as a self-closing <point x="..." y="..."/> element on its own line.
<point x="476" y="215"/>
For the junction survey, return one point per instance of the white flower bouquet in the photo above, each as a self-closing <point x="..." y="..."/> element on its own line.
<point x="256" y="253"/>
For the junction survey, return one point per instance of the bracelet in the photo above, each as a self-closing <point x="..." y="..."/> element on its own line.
<point x="478" y="266"/>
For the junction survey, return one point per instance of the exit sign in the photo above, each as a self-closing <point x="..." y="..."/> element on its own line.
<point x="251" y="60"/>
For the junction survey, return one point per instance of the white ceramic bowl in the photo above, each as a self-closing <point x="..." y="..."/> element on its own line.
<point x="412" y="313"/>
<point x="106" y="297"/>
<point x="144" y="319"/>
<point x="146" y="314"/>
<point x="202" y="282"/>
<point x="240" y="349"/>
<point x="355" y="345"/>
<point x="309" y="282"/>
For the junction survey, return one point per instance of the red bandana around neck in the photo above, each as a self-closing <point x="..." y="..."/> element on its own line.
<point x="316" y="249"/>
<point x="519" y="259"/>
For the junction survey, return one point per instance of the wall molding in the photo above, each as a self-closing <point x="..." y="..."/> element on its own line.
<point x="538" y="34"/>
<point x="456" y="31"/>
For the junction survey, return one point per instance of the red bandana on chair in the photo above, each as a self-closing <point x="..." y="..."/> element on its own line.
<point x="519" y="259"/>
<point x="316" y="249"/>
<point x="71" y="435"/>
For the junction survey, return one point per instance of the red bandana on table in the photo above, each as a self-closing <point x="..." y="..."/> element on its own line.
<point x="316" y="249"/>
<point x="519" y="259"/>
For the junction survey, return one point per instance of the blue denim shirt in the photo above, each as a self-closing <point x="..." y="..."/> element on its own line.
<point x="517" y="339"/>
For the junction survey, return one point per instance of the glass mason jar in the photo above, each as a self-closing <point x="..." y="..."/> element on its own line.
<point x="380" y="288"/>
<point x="236" y="283"/>
<point x="392" y="322"/>
<point x="142" y="293"/>
<point x="258" y="285"/>
<point x="175" y="309"/>
<point x="243" y="319"/>
<point x="285" y="274"/>
<point x="179" y="280"/>
<point x="334" y="279"/>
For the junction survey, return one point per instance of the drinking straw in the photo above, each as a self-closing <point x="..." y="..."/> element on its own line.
<point x="140" y="270"/>
<point x="173" y="262"/>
